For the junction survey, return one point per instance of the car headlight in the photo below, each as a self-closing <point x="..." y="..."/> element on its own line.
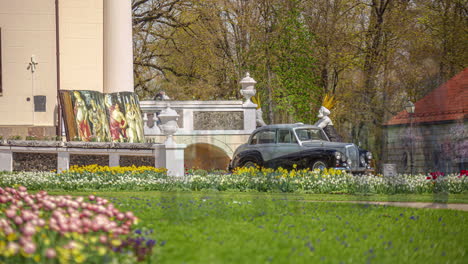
<point x="338" y="155"/>
<point x="369" y="155"/>
<point x="363" y="160"/>
<point x="344" y="157"/>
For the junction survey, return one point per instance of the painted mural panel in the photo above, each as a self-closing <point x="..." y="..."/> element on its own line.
<point x="125" y="121"/>
<point x="93" y="116"/>
<point x="86" y="118"/>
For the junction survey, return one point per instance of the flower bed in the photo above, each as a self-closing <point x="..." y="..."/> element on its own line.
<point x="38" y="228"/>
<point x="245" y="179"/>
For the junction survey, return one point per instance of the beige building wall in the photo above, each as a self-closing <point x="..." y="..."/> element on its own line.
<point x="81" y="44"/>
<point x="28" y="28"/>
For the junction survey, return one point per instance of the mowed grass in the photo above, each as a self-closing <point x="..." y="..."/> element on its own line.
<point x="282" y="228"/>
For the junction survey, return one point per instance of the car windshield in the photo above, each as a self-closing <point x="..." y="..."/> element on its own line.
<point x="309" y="134"/>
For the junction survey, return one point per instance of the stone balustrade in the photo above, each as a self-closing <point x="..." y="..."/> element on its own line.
<point x="202" y="117"/>
<point x="170" y="156"/>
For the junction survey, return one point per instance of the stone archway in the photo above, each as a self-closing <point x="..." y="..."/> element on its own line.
<point x="205" y="156"/>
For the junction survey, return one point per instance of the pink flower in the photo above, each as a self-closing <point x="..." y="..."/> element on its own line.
<point x="120" y="216"/>
<point x="8" y="230"/>
<point x="71" y="245"/>
<point x="10" y="213"/>
<point x="91" y="197"/>
<point x="29" y="229"/>
<point x="13" y="246"/>
<point x="102" y="239"/>
<point x="18" y="220"/>
<point x="50" y="253"/>
<point x="3" y="199"/>
<point x="129" y="215"/>
<point x="29" y="248"/>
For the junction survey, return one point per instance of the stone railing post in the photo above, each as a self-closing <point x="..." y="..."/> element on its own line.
<point x="172" y="154"/>
<point x="175" y="159"/>
<point x="248" y="90"/>
<point x="171" y="157"/>
<point x="145" y="121"/>
<point x="153" y="130"/>
<point x="63" y="161"/>
<point x="6" y="160"/>
<point x="114" y="159"/>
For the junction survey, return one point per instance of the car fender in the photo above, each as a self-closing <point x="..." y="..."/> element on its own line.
<point x="327" y="155"/>
<point x="252" y="155"/>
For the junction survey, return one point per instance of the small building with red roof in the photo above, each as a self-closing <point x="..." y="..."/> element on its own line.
<point x="435" y="137"/>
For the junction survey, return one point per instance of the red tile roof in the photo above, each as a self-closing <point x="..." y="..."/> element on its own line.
<point x="447" y="102"/>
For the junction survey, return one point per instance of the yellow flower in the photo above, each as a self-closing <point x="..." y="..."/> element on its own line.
<point x="80" y="258"/>
<point x="11" y="236"/>
<point x="116" y="242"/>
<point x="101" y="251"/>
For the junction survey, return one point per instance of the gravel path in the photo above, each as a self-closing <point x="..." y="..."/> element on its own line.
<point x="453" y="206"/>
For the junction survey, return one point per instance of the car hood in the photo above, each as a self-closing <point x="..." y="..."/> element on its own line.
<point x="334" y="145"/>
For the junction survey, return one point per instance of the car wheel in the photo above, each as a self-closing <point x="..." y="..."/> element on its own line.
<point x="319" y="164"/>
<point x="249" y="164"/>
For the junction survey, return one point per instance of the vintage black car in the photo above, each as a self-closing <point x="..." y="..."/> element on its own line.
<point x="306" y="146"/>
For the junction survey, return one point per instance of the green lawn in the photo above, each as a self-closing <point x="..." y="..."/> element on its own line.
<point x="430" y="198"/>
<point x="215" y="227"/>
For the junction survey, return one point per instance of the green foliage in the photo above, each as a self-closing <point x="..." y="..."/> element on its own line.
<point x="282" y="57"/>
<point x="298" y="93"/>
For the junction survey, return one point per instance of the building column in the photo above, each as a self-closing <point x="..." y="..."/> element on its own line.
<point x="118" y="49"/>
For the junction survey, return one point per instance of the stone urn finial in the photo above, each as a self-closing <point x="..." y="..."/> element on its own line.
<point x="248" y="88"/>
<point x="168" y="124"/>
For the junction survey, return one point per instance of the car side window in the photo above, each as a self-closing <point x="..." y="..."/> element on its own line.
<point x="254" y="139"/>
<point x="310" y="134"/>
<point x="263" y="137"/>
<point x="285" y="136"/>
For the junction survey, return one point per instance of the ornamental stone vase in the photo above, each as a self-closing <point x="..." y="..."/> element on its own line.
<point x="168" y="124"/>
<point x="248" y="88"/>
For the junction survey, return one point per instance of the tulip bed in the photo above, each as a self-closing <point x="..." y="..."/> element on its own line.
<point x="252" y="179"/>
<point x="40" y="228"/>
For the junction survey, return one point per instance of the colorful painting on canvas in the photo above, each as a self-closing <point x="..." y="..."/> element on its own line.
<point x="86" y="118"/>
<point x="93" y="116"/>
<point x="125" y="120"/>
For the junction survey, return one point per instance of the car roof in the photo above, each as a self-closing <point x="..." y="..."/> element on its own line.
<point x="275" y="126"/>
